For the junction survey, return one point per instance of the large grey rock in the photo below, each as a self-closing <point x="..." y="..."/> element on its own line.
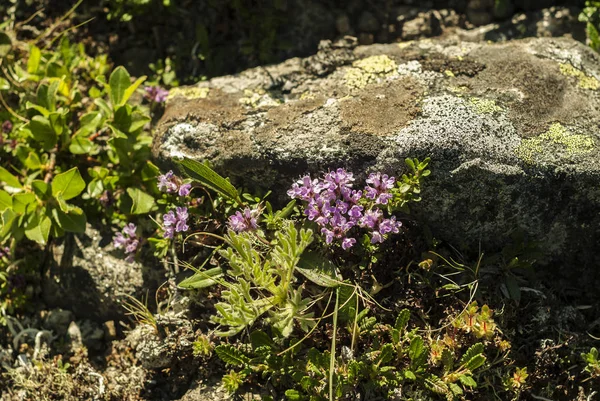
<point x="512" y="130"/>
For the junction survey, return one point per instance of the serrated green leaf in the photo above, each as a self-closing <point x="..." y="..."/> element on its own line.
<point x="231" y="355"/>
<point x="447" y="360"/>
<point x="436" y="385"/>
<point x="402" y="321"/>
<point x="142" y="202"/>
<point x="385" y="355"/>
<point x="73" y="221"/>
<point x="293" y="395"/>
<point x="8" y="179"/>
<point x="118" y="82"/>
<point x="467" y="380"/>
<point x="209" y="178"/>
<point x="416" y="351"/>
<point x="475" y="362"/>
<point x="455" y="388"/>
<point x="39" y="230"/>
<point x="68" y="184"/>
<point x="202" y="279"/>
<point x="473" y="351"/>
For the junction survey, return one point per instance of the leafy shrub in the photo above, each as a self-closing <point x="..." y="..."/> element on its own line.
<point x="591" y="16"/>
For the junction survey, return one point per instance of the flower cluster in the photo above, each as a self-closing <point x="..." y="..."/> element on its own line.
<point x="170" y="184"/>
<point x="175" y="221"/>
<point x="7" y="126"/>
<point x="244" y="220"/>
<point x="156" y="94"/>
<point x="127" y="240"/>
<point x="4" y="252"/>
<point x="337" y="208"/>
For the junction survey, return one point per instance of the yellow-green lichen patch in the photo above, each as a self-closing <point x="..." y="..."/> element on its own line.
<point x="189" y="92"/>
<point x="556" y="136"/>
<point x="584" y="81"/>
<point x="484" y="106"/>
<point x="258" y="98"/>
<point x="370" y="70"/>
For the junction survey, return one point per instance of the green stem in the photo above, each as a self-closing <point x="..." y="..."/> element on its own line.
<point x="332" y="359"/>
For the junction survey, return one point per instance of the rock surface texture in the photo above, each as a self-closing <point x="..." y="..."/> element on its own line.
<point x="513" y="131"/>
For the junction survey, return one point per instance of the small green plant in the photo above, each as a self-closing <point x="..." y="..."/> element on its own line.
<point x="592" y="363"/>
<point x="591" y="16"/>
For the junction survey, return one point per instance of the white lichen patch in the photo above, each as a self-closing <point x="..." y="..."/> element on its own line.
<point x="556" y="138"/>
<point x="370" y="70"/>
<point x="175" y="142"/>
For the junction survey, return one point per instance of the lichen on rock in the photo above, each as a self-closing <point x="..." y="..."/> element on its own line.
<point x="370" y="70"/>
<point x="557" y="140"/>
<point x="583" y="81"/>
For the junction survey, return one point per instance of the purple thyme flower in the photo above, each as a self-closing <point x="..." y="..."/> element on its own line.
<point x="7" y="126"/>
<point x="156" y="94"/>
<point x="379" y="189"/>
<point x="185" y="189"/>
<point x="128" y="240"/>
<point x="244" y="220"/>
<point x="169" y="183"/>
<point x="166" y="182"/>
<point x="175" y="221"/>
<point x="5" y="252"/>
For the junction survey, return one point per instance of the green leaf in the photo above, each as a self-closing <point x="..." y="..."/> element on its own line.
<point x="33" y="161"/>
<point x="43" y="132"/>
<point x="150" y="171"/>
<point x="5" y="44"/>
<point x="118" y="82"/>
<point x="202" y="279"/>
<point x="292" y="395"/>
<point x="35" y="55"/>
<point x="447" y="360"/>
<point x="5" y="201"/>
<point x="80" y="145"/>
<point x="209" y="178"/>
<point x="129" y="91"/>
<point x="4" y="84"/>
<point x="455" y="388"/>
<point x="473" y="351"/>
<point x="142" y="202"/>
<point x="8" y="179"/>
<point x="467" y="380"/>
<point x="68" y="184"/>
<point x="20" y="201"/>
<point x="416" y="351"/>
<point x="475" y="362"/>
<point x="39" y="230"/>
<point x="8" y="218"/>
<point x="73" y="221"/>
<point x="318" y="269"/>
<point x="41" y="189"/>
<point x="386" y="354"/>
<point x="402" y="321"/>
<point x="410" y="375"/>
<point x="260" y="339"/>
<point x="231" y="355"/>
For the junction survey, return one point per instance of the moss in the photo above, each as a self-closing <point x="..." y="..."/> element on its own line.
<point x="370" y="70"/>
<point x="484" y="106"/>
<point x="584" y="81"/>
<point x="189" y="92"/>
<point x="556" y="136"/>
